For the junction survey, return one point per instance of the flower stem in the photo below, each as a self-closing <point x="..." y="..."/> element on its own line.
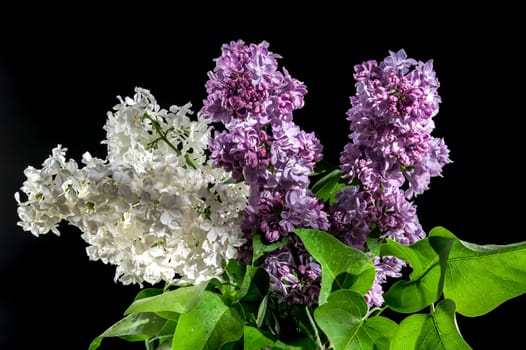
<point x="163" y="136"/>
<point x="377" y="310"/>
<point x="317" y="339"/>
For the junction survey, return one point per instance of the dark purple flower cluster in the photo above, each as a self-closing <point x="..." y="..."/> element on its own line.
<point x="391" y="157"/>
<point x="261" y="145"/>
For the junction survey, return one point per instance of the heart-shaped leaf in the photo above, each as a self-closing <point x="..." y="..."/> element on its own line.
<point x="436" y="331"/>
<point x="482" y="277"/>
<point x="428" y="259"/>
<point x="343" y="319"/>
<point x="337" y="259"/>
<point x="209" y="325"/>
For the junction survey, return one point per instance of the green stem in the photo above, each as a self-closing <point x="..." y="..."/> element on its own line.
<point x="377" y="310"/>
<point x="150" y="343"/>
<point x="317" y="339"/>
<point x="163" y="136"/>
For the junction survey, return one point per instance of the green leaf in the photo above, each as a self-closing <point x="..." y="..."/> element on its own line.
<point x="442" y="246"/>
<point x="168" y="328"/>
<point x="255" y="285"/>
<point x="482" y="277"/>
<point x="254" y="339"/>
<point x="329" y="185"/>
<point x="180" y="300"/>
<point x="427" y="258"/>
<point x="238" y="345"/>
<point x="435" y="331"/>
<point x="343" y="319"/>
<point x="234" y="272"/>
<point x="379" y="331"/>
<point x="168" y="315"/>
<point x="135" y="327"/>
<point x="336" y="259"/>
<point x="148" y="292"/>
<point x="373" y="243"/>
<point x="163" y="340"/>
<point x="296" y="344"/>
<point x="260" y="248"/>
<point x="209" y="325"/>
<point x="166" y="345"/>
<point x="244" y="283"/>
<point x="343" y="281"/>
<point x="262" y="311"/>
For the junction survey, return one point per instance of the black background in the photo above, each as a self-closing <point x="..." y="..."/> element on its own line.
<point x="60" y="75"/>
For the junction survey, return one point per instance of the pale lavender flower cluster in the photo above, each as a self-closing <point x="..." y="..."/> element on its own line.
<point x="391" y="157"/>
<point x="261" y="145"/>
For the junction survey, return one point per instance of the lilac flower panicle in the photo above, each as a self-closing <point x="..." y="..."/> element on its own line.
<point x="264" y="147"/>
<point x="391" y="156"/>
<point x="156" y="210"/>
<point x="391" y="123"/>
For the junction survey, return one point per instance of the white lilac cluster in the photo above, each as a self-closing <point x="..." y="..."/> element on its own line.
<point x="155" y="207"/>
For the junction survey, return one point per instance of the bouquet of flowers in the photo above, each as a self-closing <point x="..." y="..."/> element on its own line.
<point x="242" y="237"/>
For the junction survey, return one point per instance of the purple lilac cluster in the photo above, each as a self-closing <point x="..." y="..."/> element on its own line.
<point x="391" y="157"/>
<point x="261" y="145"/>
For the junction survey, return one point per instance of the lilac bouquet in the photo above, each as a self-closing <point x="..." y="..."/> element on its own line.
<point x="246" y="239"/>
